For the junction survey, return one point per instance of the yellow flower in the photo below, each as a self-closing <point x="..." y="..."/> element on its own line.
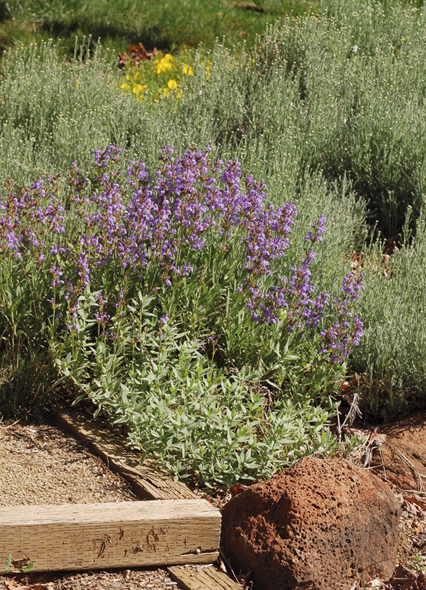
<point x="187" y="70"/>
<point x="164" y="65"/>
<point x="138" y="89"/>
<point x="172" y="84"/>
<point x="125" y="86"/>
<point x="136" y="74"/>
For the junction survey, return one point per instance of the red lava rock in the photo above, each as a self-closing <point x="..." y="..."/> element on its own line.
<point x="318" y="525"/>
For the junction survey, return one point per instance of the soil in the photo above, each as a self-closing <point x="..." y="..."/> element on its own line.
<point x="114" y="580"/>
<point x="403" y="453"/>
<point x="43" y="465"/>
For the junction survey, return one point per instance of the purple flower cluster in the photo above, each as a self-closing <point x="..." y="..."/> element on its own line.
<point x="341" y="336"/>
<point x="183" y="207"/>
<point x="26" y="218"/>
<point x="134" y="225"/>
<point x="294" y="301"/>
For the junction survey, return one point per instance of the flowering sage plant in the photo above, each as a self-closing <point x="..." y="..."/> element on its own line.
<point x="139" y="269"/>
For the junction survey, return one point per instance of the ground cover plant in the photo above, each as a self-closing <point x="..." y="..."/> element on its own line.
<point x="328" y="110"/>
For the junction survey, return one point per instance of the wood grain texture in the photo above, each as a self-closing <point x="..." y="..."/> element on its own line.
<point x="209" y="578"/>
<point x="147" y="480"/>
<point x="122" y="534"/>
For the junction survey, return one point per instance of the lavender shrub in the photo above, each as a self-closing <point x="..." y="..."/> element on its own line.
<point x="166" y="309"/>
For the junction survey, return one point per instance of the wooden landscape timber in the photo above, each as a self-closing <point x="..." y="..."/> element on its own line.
<point x="207" y="578"/>
<point x="147" y="480"/>
<point x="110" y="535"/>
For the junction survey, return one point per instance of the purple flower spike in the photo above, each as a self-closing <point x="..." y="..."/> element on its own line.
<point x="315" y="235"/>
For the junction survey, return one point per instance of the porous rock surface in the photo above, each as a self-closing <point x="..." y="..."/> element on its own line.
<point x="318" y="525"/>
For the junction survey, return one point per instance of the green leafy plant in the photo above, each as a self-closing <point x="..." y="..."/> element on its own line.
<point x="119" y="23"/>
<point x="10" y="567"/>
<point x="418" y="563"/>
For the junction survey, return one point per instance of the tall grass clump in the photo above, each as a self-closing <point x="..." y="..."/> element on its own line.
<point x="360" y="73"/>
<point x="53" y="112"/>
<point x="164" y="299"/>
<point x="392" y="350"/>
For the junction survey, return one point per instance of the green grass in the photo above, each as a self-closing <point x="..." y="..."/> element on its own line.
<point x="119" y="23"/>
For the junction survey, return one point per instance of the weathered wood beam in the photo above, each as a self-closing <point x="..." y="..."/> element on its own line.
<point x="121" y="534"/>
<point x="207" y="578"/>
<point x="147" y="480"/>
